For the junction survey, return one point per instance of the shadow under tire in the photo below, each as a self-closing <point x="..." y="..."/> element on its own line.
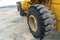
<point x="44" y="19"/>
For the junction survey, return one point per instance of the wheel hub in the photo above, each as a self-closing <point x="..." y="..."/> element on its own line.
<point x="33" y="23"/>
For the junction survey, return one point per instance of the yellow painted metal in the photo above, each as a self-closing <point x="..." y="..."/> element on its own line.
<point x="55" y="6"/>
<point x="25" y="4"/>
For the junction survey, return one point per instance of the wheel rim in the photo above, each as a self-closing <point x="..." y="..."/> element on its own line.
<point x="33" y="23"/>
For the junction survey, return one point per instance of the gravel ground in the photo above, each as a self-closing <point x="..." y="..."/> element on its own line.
<point x="15" y="27"/>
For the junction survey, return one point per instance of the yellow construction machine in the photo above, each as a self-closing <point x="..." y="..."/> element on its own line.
<point x="43" y="16"/>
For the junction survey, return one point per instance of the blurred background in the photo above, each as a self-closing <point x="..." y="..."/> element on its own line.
<point x="8" y="2"/>
<point x="11" y="23"/>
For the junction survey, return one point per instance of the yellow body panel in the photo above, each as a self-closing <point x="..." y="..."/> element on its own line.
<point x="56" y="1"/>
<point x="55" y="7"/>
<point x="25" y="5"/>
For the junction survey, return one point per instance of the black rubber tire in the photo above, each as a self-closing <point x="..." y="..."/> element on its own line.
<point x="45" y="20"/>
<point x="19" y="8"/>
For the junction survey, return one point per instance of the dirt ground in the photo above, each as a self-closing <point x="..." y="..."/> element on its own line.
<point x="15" y="27"/>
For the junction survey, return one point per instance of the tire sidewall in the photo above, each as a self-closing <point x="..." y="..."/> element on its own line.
<point x="33" y="11"/>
